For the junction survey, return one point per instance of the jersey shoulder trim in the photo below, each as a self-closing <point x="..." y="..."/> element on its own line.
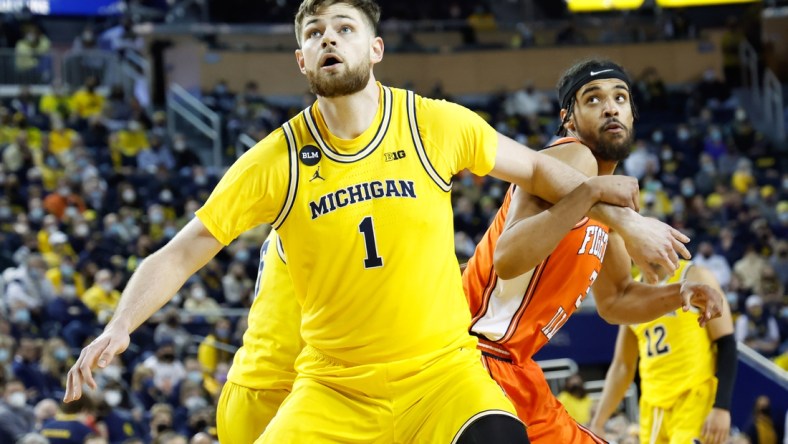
<point x="419" y="144"/>
<point x="292" y="185"/>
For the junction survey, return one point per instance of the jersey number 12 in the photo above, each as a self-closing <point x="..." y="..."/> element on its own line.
<point x="655" y="341"/>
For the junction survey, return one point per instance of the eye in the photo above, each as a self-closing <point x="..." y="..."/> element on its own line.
<point x="312" y="33"/>
<point x="345" y="29"/>
<point x="593" y="99"/>
<point x="621" y="98"/>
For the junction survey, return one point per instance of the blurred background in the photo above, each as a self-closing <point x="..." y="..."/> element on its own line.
<point x="117" y="118"/>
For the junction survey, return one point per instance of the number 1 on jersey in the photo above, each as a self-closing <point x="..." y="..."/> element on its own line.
<point x="370" y="243"/>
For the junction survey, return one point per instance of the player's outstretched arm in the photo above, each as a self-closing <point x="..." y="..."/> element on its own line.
<point x="150" y="287"/>
<point x="717" y="425"/>
<point x="619" y="376"/>
<point x="622" y="300"/>
<point x="653" y="244"/>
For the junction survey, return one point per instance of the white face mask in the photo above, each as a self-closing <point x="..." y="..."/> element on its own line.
<point x="112" y="372"/>
<point x="113" y="397"/>
<point x="195" y="402"/>
<point x="17" y="399"/>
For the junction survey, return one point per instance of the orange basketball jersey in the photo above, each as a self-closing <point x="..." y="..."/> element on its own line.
<point x="514" y="318"/>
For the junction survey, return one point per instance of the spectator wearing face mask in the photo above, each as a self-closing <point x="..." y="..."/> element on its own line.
<point x="102" y="297"/>
<point x="758" y="328"/>
<point x="56" y="359"/>
<point x="68" y="317"/>
<point x="185" y="158"/>
<point x="171" y="328"/>
<point x="127" y="143"/>
<point x="27" y="368"/>
<point x="237" y="285"/>
<point x="27" y="289"/>
<point x="160" y="423"/>
<point x="716" y="263"/>
<point x="576" y="400"/>
<point x="115" y="413"/>
<point x="192" y="398"/>
<point x="7" y="345"/>
<point x="167" y="370"/>
<point x="216" y="347"/>
<point x="66" y="279"/>
<point x="86" y="102"/>
<point x="16" y="417"/>
<point x="200" y="306"/>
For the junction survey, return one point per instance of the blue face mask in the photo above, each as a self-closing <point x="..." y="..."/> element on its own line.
<point x="4" y="354"/>
<point x="67" y="270"/>
<point x="22" y="316"/>
<point x="61" y="354"/>
<point x="242" y="256"/>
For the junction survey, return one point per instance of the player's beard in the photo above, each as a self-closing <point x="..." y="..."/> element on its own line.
<point x="338" y="84"/>
<point x="611" y="148"/>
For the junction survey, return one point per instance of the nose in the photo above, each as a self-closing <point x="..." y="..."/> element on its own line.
<point x="329" y="38"/>
<point x="611" y="108"/>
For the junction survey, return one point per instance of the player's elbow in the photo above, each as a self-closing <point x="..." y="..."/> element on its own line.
<point x="609" y="312"/>
<point x="505" y="264"/>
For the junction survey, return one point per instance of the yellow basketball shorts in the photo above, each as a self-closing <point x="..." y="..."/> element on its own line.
<point x="429" y="399"/>
<point x="243" y="413"/>
<point x="681" y="422"/>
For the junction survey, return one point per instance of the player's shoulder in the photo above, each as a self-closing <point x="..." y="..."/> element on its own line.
<point x="574" y="153"/>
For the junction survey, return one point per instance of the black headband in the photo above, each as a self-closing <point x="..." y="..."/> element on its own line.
<point x="569" y="89"/>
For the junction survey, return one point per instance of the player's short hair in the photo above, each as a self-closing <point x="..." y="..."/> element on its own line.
<point x="369" y="9"/>
<point x="583" y="72"/>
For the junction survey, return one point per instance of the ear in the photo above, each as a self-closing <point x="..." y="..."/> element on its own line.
<point x="376" y="51"/>
<point x="570" y="125"/>
<point x="300" y="60"/>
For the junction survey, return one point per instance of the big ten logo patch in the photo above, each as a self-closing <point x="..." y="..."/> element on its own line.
<point x="396" y="155"/>
<point x="309" y="155"/>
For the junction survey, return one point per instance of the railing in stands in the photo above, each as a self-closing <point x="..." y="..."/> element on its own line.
<point x="749" y="73"/>
<point x="198" y="117"/>
<point x="244" y="142"/>
<point x="630" y="401"/>
<point x="773" y="107"/>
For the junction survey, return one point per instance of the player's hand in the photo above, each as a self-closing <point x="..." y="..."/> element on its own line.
<point x="617" y="190"/>
<point x="111" y="342"/>
<point x="707" y="299"/>
<point x="717" y="426"/>
<point x="655" y="247"/>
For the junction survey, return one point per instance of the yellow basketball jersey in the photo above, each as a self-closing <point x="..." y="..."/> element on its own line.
<point x="366" y="223"/>
<point x="675" y="353"/>
<point x="272" y="340"/>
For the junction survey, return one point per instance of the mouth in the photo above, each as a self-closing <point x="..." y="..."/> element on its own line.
<point x="330" y="60"/>
<point x="613" y="127"/>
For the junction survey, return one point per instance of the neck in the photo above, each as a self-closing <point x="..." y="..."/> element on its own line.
<point x="606" y="167"/>
<point x="347" y="117"/>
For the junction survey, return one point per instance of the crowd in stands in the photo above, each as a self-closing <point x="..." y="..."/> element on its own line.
<point x="92" y="184"/>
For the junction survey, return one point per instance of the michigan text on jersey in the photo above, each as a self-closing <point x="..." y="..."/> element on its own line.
<point x="360" y="193"/>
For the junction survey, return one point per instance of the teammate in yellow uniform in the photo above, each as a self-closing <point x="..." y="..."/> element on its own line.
<point x="262" y="373"/>
<point x="357" y="187"/>
<point x="686" y="385"/>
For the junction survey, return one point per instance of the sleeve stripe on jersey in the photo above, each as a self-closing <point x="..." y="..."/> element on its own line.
<point x="292" y="185"/>
<point x="281" y="250"/>
<point x="367" y="150"/>
<point x="425" y="161"/>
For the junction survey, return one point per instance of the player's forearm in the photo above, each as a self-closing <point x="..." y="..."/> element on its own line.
<point x="617" y="380"/>
<point x="639" y="302"/>
<point x="539" y="234"/>
<point x="620" y="219"/>
<point x="151" y="286"/>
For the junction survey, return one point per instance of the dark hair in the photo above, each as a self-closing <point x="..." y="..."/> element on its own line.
<point x="369" y="9"/>
<point x="578" y="75"/>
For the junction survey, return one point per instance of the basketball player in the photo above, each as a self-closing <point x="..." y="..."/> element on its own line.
<point x="262" y="373"/>
<point x="685" y="386"/>
<point x="369" y="246"/>
<point x="536" y="263"/>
